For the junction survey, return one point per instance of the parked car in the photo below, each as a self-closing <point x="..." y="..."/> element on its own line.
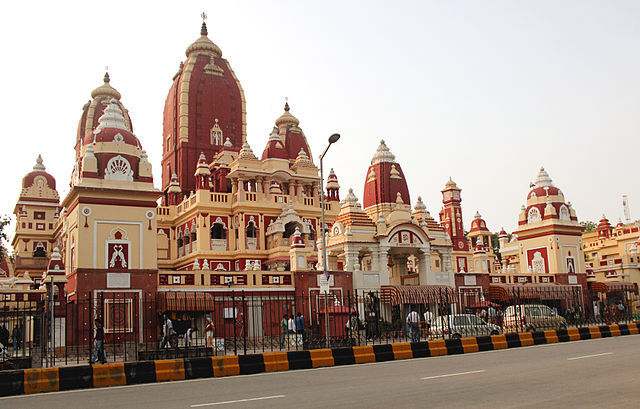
<point x="535" y="317"/>
<point x="462" y="325"/>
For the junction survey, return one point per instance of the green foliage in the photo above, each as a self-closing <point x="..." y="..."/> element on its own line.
<point x="495" y="245"/>
<point x="588" y="225"/>
<point x="4" y="222"/>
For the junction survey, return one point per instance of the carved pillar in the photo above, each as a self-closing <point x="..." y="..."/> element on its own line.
<point x="234" y="189"/>
<point x="240" y="190"/>
<point x="292" y="191"/>
<point x="259" y="188"/>
<point x="265" y="188"/>
<point x="382" y="267"/>
<point x="299" y="193"/>
<point x="424" y="261"/>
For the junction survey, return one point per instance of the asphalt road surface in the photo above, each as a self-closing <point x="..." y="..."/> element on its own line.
<point x="601" y="373"/>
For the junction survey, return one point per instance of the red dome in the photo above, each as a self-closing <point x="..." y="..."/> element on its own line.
<point x="39" y="184"/>
<point x="205" y="80"/>
<point x="93" y="110"/>
<point x="113" y="135"/>
<point x="478" y="224"/>
<point x="545" y="201"/>
<point x="544" y="191"/>
<point x="384" y="180"/>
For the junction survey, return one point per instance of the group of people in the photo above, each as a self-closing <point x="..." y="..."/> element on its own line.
<point x="290" y="326"/>
<point x="16" y="335"/>
<point x="170" y="336"/>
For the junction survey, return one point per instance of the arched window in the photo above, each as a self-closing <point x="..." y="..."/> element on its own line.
<point x="564" y="213"/>
<point x="218" y="232"/>
<point x="289" y="229"/>
<point x="252" y="231"/>
<point x="534" y="215"/>
<point x="40" y="251"/>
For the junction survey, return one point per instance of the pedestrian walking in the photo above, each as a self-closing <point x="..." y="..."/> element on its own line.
<point x="17" y="336"/>
<point x="413" y="321"/>
<point x="98" y="344"/>
<point x="291" y="325"/>
<point x="168" y="333"/>
<point x="188" y="336"/>
<point x="284" y="325"/>
<point x="300" y="325"/>
<point x="428" y="317"/>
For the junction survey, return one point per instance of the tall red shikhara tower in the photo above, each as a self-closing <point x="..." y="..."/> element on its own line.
<point x="204" y="112"/>
<point x="451" y="216"/>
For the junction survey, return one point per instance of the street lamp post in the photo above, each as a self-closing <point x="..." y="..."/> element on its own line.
<point x="332" y="139"/>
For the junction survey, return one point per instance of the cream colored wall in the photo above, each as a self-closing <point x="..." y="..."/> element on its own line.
<point x="91" y="241"/>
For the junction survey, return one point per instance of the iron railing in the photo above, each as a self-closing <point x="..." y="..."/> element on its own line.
<point x="53" y="333"/>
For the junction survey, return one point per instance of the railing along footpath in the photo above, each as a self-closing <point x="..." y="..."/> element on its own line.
<point x="53" y="333"/>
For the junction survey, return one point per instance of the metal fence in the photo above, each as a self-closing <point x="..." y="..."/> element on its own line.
<point x="136" y="326"/>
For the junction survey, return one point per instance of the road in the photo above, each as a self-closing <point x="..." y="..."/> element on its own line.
<point x="595" y="373"/>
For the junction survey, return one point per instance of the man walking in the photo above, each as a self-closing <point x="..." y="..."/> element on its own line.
<point x="413" y="321"/>
<point x="300" y="325"/>
<point x="98" y="348"/>
<point x="283" y="330"/>
<point x="167" y="332"/>
<point x="428" y="317"/>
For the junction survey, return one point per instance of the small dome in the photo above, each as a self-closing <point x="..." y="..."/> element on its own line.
<point x="174" y="185"/>
<point x="105" y="90"/>
<point x="203" y="167"/>
<point x="478" y="224"/>
<point x="246" y="153"/>
<point x="420" y="206"/>
<point x="303" y="160"/>
<point x="332" y="180"/>
<point x="203" y="45"/>
<point x="351" y="199"/>
<point x="383" y="154"/>
<point x="39" y="184"/>
<point x="451" y="185"/>
<point x="287" y="118"/>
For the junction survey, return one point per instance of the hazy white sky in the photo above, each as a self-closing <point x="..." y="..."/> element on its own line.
<point x="485" y="92"/>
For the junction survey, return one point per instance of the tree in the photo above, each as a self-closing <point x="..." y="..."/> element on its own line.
<point x="495" y="244"/>
<point x="588" y="226"/>
<point x="4" y="222"/>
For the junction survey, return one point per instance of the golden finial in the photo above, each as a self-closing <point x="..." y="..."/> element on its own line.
<point x="203" y="29"/>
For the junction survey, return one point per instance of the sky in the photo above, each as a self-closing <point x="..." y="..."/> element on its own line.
<point x="483" y="92"/>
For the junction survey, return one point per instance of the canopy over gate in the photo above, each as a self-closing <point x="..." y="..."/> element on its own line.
<point x="416" y="294"/>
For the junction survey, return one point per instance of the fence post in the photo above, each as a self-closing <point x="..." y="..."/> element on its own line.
<point x="234" y="317"/>
<point x="244" y="327"/>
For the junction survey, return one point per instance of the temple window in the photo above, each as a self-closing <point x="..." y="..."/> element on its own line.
<point x="218" y="232"/>
<point x="289" y="229"/>
<point x="534" y="215"/>
<point x="40" y="251"/>
<point x="252" y="231"/>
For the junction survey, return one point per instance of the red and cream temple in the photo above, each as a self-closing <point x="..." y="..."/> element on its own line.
<point x="226" y="219"/>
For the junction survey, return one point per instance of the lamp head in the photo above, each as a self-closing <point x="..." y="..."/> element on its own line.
<point x="334" y="138"/>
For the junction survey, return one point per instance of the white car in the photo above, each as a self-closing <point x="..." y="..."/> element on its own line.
<point x="462" y="325"/>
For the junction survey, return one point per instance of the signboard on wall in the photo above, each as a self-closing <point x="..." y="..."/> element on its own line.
<point x="118" y="280"/>
<point x="469" y="280"/>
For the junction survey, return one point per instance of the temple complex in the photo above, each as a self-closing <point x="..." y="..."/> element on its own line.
<point x="227" y="218"/>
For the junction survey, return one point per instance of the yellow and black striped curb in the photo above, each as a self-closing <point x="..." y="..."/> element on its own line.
<point x="88" y="376"/>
